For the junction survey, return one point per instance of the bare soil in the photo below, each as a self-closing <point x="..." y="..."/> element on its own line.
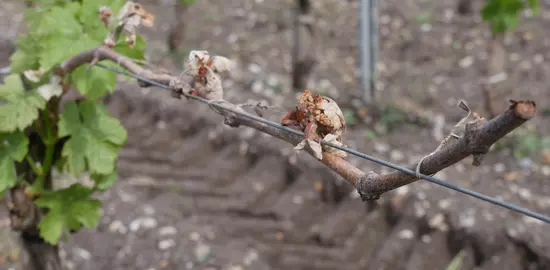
<point x="195" y="194"/>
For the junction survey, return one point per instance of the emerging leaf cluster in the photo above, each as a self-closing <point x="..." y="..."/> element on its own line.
<point x="57" y="30"/>
<point x="70" y="208"/>
<point x="60" y="29"/>
<point x="94" y="138"/>
<point x="20" y="108"/>
<point x="503" y="14"/>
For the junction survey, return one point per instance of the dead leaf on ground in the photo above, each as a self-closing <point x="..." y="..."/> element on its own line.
<point x="511" y="176"/>
<point x="546" y="155"/>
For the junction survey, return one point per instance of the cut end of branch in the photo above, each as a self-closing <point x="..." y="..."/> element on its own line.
<point x="525" y="109"/>
<point x="366" y="187"/>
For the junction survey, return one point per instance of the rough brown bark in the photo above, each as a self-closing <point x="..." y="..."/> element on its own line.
<point x="25" y="215"/>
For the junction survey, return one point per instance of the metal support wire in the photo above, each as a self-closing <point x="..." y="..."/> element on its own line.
<point x="350" y="151"/>
<point x="368" y="48"/>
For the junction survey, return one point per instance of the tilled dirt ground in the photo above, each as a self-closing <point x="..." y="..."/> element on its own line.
<point x="194" y="194"/>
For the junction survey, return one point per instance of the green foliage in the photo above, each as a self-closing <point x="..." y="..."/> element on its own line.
<point x="104" y="181"/>
<point x="370" y="134"/>
<point x="392" y="118"/>
<point x="93" y="83"/>
<point x="95" y="138"/>
<point x="528" y="144"/>
<point x="456" y="263"/>
<point x="13" y="147"/>
<point x="423" y="18"/>
<point x="503" y="14"/>
<point x="27" y="54"/>
<point x="524" y="142"/>
<point x="349" y="116"/>
<point x="57" y="30"/>
<point x="60" y="29"/>
<point x="136" y="52"/>
<point x="69" y="209"/>
<point x="18" y="108"/>
<point x="59" y="34"/>
<point x="88" y="17"/>
<point x="186" y="2"/>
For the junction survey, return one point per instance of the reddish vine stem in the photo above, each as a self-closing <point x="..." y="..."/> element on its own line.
<point x="479" y="136"/>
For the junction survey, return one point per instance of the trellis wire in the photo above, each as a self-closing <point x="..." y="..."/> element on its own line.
<point x="350" y="151"/>
<point x="368" y="48"/>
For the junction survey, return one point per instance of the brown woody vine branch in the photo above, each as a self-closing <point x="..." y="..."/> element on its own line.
<point x="478" y="137"/>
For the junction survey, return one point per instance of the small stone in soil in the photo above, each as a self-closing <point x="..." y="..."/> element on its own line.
<point x="250" y="257"/>
<point x="166" y="244"/>
<point x="499" y="168"/>
<point x="466" y="61"/>
<point x="396" y="155"/>
<point x="525" y="163"/>
<point x="381" y="147"/>
<point x="118" y="226"/>
<point x="195" y="236"/>
<point x="145" y="222"/>
<point x="406" y="234"/>
<point x="297" y="200"/>
<point x="202" y="252"/>
<point x="82" y="253"/>
<point x="167" y="230"/>
<point x="149" y="210"/>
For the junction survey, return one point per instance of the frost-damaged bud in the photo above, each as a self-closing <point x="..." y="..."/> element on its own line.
<point x="105" y="13"/>
<point x="319" y="117"/>
<point x="130" y="17"/>
<point x="205" y="70"/>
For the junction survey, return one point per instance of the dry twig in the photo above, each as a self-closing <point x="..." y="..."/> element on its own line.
<point x="478" y="136"/>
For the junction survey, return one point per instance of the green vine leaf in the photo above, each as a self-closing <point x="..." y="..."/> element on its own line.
<point x="503" y="14"/>
<point x="534" y="5"/>
<point x="69" y="209"/>
<point x="93" y="83"/>
<point x="55" y="49"/>
<point x="456" y="263"/>
<point x="56" y="24"/>
<point x="46" y="4"/>
<point x="26" y="56"/>
<point x="104" y="181"/>
<point x="18" y="108"/>
<point x="13" y="147"/>
<point x="95" y="137"/>
<point x="136" y="52"/>
<point x="54" y="30"/>
<point x="90" y="20"/>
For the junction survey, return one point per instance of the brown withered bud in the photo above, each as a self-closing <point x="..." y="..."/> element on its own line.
<point x="105" y="14"/>
<point x="319" y="118"/>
